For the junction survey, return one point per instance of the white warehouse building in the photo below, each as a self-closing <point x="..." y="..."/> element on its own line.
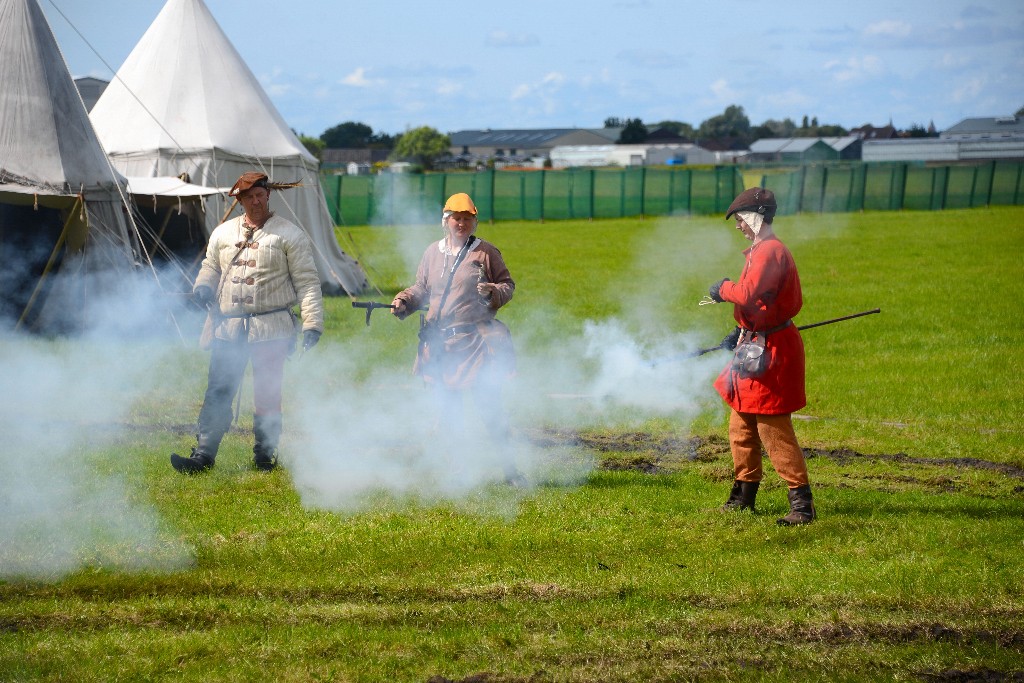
<point x="568" y="156"/>
<point x="975" y="139"/>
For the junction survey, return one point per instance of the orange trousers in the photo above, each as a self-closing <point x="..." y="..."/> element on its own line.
<point x="749" y="431"/>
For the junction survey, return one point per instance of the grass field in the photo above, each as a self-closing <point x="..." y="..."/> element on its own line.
<point x="361" y="561"/>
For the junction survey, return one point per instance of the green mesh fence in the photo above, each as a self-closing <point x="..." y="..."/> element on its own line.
<point x="389" y="199"/>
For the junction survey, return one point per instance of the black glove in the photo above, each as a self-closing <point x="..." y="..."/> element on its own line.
<point x="309" y="339"/>
<point x="203" y="296"/>
<point x="713" y="289"/>
<point x="731" y="339"/>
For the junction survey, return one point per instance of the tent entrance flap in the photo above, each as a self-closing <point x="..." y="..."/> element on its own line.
<point x="31" y="245"/>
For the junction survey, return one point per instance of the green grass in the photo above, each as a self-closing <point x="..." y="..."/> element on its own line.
<point x="628" y="572"/>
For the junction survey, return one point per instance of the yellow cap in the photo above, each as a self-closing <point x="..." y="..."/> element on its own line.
<point x="460" y="202"/>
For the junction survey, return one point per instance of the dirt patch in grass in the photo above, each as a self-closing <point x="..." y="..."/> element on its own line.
<point x="645" y="452"/>
<point x="845" y="456"/>
<point x="972" y="676"/>
<point x="658" y="454"/>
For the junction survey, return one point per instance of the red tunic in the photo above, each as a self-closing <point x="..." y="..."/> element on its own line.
<point x="766" y="296"/>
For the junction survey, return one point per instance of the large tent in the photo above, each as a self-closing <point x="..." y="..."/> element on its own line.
<point x="63" y="224"/>
<point x="184" y="102"/>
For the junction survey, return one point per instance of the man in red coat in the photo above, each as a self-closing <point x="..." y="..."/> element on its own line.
<point x="764" y="382"/>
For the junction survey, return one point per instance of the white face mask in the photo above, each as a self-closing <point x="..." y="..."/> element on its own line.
<point x="752" y="219"/>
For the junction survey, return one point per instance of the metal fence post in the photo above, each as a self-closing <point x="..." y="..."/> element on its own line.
<point x="671" y="191"/>
<point x="592" y="172"/>
<point x="622" y="193"/>
<point x="824" y="189"/>
<point x="543" y="178"/>
<point x="643" y="191"/>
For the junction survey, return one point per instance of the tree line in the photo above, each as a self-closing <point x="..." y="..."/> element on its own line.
<point x="731" y="129"/>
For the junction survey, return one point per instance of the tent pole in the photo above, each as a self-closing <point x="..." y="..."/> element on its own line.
<point x="160" y="235"/>
<point x="49" y="263"/>
<point x="228" y="212"/>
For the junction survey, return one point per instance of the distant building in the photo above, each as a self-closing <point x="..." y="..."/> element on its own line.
<point x="524" y="144"/>
<point x="805" y="150"/>
<point x="791" y="150"/>
<point x="943" y="149"/>
<point x="975" y="139"/>
<point x="90" y="89"/>
<point x="640" y="154"/>
<point x="869" y="132"/>
<point x="995" y="128"/>
<point x="848" y="146"/>
<point x="910" y="149"/>
<point x="337" y="160"/>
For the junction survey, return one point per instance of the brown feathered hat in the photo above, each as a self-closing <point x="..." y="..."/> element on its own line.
<point x="755" y="199"/>
<point x="257" y="179"/>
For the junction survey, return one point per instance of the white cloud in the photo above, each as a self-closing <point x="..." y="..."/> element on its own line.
<point x="549" y="85"/>
<point x="447" y="88"/>
<point x="787" y="100"/>
<point x="856" y="68"/>
<point x="520" y="91"/>
<point x="358" y="79"/>
<point x="888" y="28"/>
<point x="506" y="39"/>
<point x="969" y="90"/>
<point x="954" y="60"/>
<point x="649" y="59"/>
<point x="553" y="78"/>
<point x="723" y="92"/>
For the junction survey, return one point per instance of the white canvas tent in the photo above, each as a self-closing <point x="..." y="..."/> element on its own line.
<point x="62" y="217"/>
<point x="185" y="102"/>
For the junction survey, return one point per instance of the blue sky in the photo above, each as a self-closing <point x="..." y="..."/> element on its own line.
<point x="459" y="64"/>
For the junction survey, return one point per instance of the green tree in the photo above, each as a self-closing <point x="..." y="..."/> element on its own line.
<point x="633" y="132"/>
<point x="683" y="130"/>
<point x="774" y="129"/>
<point x="315" y="146"/>
<point x="382" y="141"/>
<point x="732" y="123"/>
<point x="831" y="130"/>
<point x="1019" y="112"/>
<point x="916" y="130"/>
<point x="613" y="122"/>
<point x="424" y="145"/>
<point x="348" y="135"/>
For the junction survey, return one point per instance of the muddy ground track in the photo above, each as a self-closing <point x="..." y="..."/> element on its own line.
<point x="653" y="454"/>
<point x="661" y="454"/>
<point x="983" y="675"/>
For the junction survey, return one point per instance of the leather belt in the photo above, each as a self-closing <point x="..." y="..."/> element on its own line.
<point x="771" y="330"/>
<point x="458" y="329"/>
<point x="253" y="315"/>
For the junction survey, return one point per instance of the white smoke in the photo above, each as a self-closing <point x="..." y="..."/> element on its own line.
<point x="350" y="441"/>
<point x="63" y="401"/>
<point x="357" y="429"/>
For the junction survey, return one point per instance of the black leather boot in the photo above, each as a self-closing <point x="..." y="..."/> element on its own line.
<point x="742" y="495"/>
<point x="267" y="430"/>
<point x="801" y="507"/>
<point x="202" y="457"/>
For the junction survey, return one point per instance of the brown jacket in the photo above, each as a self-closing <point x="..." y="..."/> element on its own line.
<point x="473" y="340"/>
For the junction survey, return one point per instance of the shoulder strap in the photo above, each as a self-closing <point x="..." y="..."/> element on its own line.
<point x="224" y="274"/>
<point x="451" y="275"/>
